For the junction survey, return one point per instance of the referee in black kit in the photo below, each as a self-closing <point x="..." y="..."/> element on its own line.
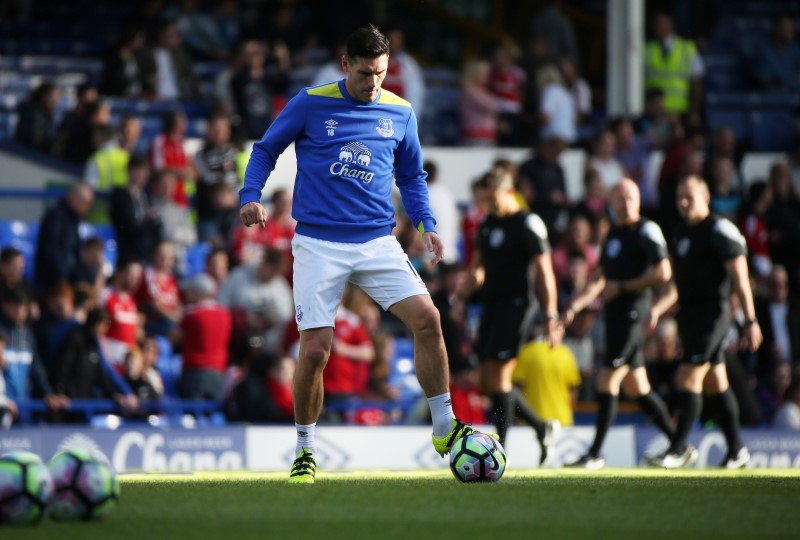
<point x="709" y="257"/>
<point x="633" y="261"/>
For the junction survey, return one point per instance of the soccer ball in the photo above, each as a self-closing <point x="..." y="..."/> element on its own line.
<point x="477" y="458"/>
<point x="25" y="488"/>
<point x="86" y="486"/>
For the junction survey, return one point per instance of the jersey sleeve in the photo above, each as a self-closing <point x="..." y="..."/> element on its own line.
<point x="728" y="240"/>
<point x="535" y="235"/>
<point x="410" y="178"/>
<point x="287" y="127"/>
<point x="653" y="242"/>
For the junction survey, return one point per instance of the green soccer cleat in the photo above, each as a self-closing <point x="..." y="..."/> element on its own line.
<point x="303" y="468"/>
<point x="444" y="444"/>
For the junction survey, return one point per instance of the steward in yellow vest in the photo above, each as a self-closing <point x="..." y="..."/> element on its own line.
<point x="105" y="170"/>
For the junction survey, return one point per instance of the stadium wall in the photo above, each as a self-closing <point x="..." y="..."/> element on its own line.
<point x="358" y="448"/>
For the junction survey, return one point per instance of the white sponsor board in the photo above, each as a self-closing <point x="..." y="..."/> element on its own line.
<point x="409" y="447"/>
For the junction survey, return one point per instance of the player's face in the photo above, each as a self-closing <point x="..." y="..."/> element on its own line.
<point x="365" y="76"/>
<point x="625" y="200"/>
<point x="692" y="201"/>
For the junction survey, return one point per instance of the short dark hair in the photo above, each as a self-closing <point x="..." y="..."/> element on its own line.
<point x="367" y="42"/>
<point x="9" y="253"/>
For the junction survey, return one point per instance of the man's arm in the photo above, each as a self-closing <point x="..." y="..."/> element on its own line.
<point x="410" y="179"/>
<point x="547" y="293"/>
<point x="737" y="269"/>
<point x="661" y="305"/>
<point x="658" y="274"/>
<point x="596" y="285"/>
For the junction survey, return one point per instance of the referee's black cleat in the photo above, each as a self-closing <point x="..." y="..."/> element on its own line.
<point x="740" y="460"/>
<point x="590" y="463"/>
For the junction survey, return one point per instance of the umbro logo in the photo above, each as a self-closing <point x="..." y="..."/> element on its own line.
<point x="330" y="127"/>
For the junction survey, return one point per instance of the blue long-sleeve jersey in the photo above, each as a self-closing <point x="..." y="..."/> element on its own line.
<point x="347" y="153"/>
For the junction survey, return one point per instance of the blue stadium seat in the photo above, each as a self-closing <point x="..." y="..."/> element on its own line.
<point x="771" y="130"/>
<point x="402" y="373"/>
<point x="733" y="118"/>
<point x="196" y="258"/>
<point x="21" y="235"/>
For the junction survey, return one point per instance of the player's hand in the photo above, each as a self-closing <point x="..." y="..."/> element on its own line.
<point x="433" y="244"/>
<point x="567" y="317"/>
<point x="650" y="321"/>
<point x="752" y="337"/>
<point x="555" y="332"/>
<point x="253" y="213"/>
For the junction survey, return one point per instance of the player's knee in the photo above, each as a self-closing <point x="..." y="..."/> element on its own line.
<point x="315" y="355"/>
<point x="427" y="323"/>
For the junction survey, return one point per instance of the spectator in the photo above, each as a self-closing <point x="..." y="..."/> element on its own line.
<point x="576" y="241"/>
<point x="579" y="89"/>
<point x="56" y="319"/>
<point x="137" y="226"/>
<point x="723" y="145"/>
<point x="633" y="153"/>
<point x="754" y="228"/>
<point x="542" y="183"/>
<point x="24" y="374"/>
<point x="217" y="181"/>
<point x="557" y="114"/>
<point x="772" y="391"/>
<point x="478" y="109"/>
<point x="8" y="408"/>
<point x="777" y="65"/>
<point x="788" y="415"/>
<point x="264" y="394"/>
<point x="36" y="127"/>
<point x="107" y="168"/>
<point x="260" y="291"/>
<point x="91" y="265"/>
<point x="772" y="312"/>
<point x="450" y="302"/>
<point x="136" y="376"/>
<point x="12" y="271"/>
<point x="556" y="31"/>
<point x="664" y="361"/>
<point x="176" y="221"/>
<point x="655" y="124"/>
<point x="726" y="199"/>
<point x="218" y="265"/>
<point x="445" y="211"/>
<point x="165" y="67"/>
<point x="470" y="221"/>
<point x="507" y="83"/>
<point x="249" y="243"/>
<point x="121" y="73"/>
<point x="150" y="354"/>
<point x="403" y="75"/>
<point x="58" y="244"/>
<point x="332" y="70"/>
<point x="210" y="36"/>
<point x="673" y="65"/>
<point x="167" y="153"/>
<point x="603" y="160"/>
<point x="257" y="84"/>
<point x="158" y="296"/>
<point x="548" y="378"/>
<point x="594" y="203"/>
<point x="468" y="403"/>
<point x="118" y="301"/>
<point x="77" y="132"/>
<point x="82" y="372"/>
<point x="204" y="333"/>
<point x="130" y="136"/>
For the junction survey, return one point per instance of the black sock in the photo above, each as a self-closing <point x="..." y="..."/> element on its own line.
<point x="524" y="411"/>
<point x="689" y="405"/>
<point x="656" y="411"/>
<point x="502" y="413"/>
<point x="606" y="413"/>
<point x="727" y="414"/>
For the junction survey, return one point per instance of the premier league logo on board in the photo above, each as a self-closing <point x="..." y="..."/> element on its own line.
<point x="352" y="157"/>
<point x="385" y="127"/>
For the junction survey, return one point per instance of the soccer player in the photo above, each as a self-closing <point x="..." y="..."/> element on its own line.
<point x="709" y="257"/>
<point x="634" y="259"/>
<point x="510" y="241"/>
<point x="350" y="138"/>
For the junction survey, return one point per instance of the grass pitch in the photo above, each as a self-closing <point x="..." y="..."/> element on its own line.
<point x="638" y="504"/>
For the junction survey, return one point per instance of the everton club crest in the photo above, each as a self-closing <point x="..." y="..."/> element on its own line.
<point x="384" y="127"/>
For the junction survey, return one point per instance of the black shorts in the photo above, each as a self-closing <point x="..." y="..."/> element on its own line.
<point x="624" y="340"/>
<point x="499" y="334"/>
<point x="702" y="332"/>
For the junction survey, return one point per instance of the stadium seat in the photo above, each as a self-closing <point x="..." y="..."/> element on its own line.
<point x="21" y="235"/>
<point x="771" y="130"/>
<point x="196" y="258"/>
<point x="733" y="118"/>
<point x="402" y="373"/>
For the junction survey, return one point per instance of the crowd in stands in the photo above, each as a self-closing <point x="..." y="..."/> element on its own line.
<point x="84" y="326"/>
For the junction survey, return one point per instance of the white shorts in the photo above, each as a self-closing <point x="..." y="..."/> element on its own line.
<point x="322" y="269"/>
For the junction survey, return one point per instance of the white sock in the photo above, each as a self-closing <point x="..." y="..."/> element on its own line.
<point x="441" y="414"/>
<point x="305" y="438"/>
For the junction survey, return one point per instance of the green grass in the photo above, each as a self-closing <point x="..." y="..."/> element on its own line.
<point x="615" y="503"/>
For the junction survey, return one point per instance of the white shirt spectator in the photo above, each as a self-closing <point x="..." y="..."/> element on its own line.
<point x="167" y="85"/>
<point x="787" y="417"/>
<point x="610" y="170"/>
<point x="557" y="104"/>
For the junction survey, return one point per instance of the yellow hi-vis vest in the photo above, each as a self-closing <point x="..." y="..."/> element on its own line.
<point x="672" y="73"/>
<point x="112" y="172"/>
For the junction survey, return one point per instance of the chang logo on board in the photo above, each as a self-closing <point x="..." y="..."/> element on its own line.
<point x="353" y="158"/>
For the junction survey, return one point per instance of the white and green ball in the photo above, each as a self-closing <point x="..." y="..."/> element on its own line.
<point x="477" y="458"/>
<point x="25" y="488"/>
<point x="86" y="486"/>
